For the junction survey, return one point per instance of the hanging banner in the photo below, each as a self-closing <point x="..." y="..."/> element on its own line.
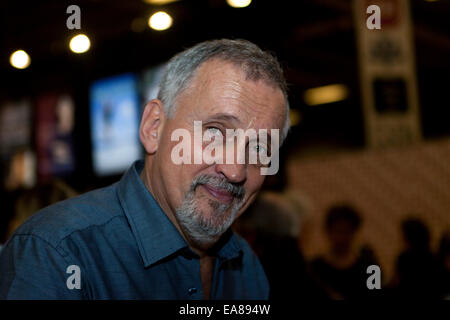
<point x="387" y="72"/>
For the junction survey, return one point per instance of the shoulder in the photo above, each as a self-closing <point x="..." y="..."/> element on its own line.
<point x="53" y="223"/>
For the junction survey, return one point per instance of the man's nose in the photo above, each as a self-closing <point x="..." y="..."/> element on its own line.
<point x="235" y="173"/>
<point x="233" y="165"/>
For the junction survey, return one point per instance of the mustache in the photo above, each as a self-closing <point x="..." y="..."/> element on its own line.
<point x="236" y="191"/>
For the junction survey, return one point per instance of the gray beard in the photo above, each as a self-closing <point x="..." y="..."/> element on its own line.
<point x="203" y="231"/>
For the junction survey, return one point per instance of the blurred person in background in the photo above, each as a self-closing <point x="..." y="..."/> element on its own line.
<point x="272" y="226"/>
<point x="416" y="266"/>
<point x="342" y="270"/>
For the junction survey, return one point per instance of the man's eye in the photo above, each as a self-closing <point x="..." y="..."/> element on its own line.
<point x="260" y="149"/>
<point x="214" y="131"/>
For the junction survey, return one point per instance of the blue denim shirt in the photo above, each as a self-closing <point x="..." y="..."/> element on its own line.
<point x="124" y="247"/>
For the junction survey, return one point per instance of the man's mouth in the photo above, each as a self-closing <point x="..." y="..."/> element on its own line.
<point x="220" y="194"/>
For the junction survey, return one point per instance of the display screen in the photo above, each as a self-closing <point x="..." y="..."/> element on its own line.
<point x="114" y="108"/>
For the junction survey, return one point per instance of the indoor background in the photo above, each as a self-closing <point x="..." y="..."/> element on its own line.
<point x="68" y="121"/>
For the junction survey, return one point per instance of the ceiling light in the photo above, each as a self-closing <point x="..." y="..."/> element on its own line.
<point x="20" y="59"/>
<point x="326" y="94"/>
<point x="80" y="43"/>
<point x="160" y="21"/>
<point x="159" y="2"/>
<point x="239" y="3"/>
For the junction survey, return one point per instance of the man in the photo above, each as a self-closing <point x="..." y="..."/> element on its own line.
<point x="162" y="232"/>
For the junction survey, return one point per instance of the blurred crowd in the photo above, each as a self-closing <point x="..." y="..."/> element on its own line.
<point x="277" y="222"/>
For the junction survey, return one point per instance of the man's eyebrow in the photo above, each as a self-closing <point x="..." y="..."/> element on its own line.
<point x="233" y="118"/>
<point x="224" y="117"/>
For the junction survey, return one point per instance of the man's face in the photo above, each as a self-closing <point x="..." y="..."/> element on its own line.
<point x="207" y="198"/>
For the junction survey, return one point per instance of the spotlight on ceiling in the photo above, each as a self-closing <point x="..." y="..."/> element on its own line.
<point x="160" y="21"/>
<point x="159" y="2"/>
<point x="239" y="3"/>
<point x="20" y="59"/>
<point x="325" y="94"/>
<point x="80" y="43"/>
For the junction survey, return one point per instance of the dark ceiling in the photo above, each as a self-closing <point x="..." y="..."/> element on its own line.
<point x="314" y="39"/>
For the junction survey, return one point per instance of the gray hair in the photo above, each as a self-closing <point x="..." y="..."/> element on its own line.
<point x="256" y="63"/>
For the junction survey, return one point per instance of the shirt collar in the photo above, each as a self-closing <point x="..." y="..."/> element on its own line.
<point x="155" y="234"/>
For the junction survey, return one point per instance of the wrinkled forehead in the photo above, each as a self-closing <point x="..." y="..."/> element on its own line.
<point x="220" y="87"/>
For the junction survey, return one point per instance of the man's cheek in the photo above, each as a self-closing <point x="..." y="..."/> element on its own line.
<point x="246" y="202"/>
<point x="255" y="181"/>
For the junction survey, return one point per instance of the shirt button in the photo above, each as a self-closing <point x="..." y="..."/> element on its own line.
<point x="191" y="291"/>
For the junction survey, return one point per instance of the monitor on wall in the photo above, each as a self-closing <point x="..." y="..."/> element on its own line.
<point x="115" y="112"/>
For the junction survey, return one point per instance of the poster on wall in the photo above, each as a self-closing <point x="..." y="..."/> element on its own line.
<point x="54" y="135"/>
<point x="16" y="155"/>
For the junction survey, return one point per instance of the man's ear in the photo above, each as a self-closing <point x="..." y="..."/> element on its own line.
<point x="151" y="125"/>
